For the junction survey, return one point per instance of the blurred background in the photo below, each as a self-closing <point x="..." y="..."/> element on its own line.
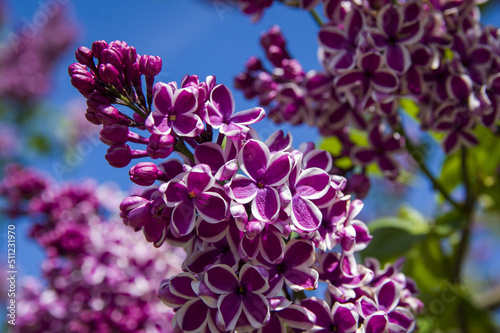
<point x="47" y="128"/>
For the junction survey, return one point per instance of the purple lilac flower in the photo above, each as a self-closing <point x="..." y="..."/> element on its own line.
<point x="375" y="55"/>
<point x="248" y="214"/>
<point x="99" y="277"/>
<point x="27" y="62"/>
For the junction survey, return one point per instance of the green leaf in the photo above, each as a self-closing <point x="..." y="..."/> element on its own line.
<point x="331" y="145"/>
<point x="40" y="143"/>
<point x="451" y="172"/>
<point x="359" y="138"/>
<point x="449" y="222"/>
<point x="410" y="107"/>
<point x="394" y="236"/>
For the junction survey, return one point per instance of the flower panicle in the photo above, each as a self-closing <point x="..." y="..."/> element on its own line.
<point x="257" y="219"/>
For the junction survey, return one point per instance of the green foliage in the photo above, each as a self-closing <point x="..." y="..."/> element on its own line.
<point x="483" y="163"/>
<point x="394" y="236"/>
<point x="429" y="259"/>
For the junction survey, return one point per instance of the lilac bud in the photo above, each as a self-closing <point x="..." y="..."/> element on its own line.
<point x="115" y="134"/>
<point x="84" y="55"/>
<point x="190" y="80"/>
<point x="92" y="117"/>
<point x="138" y="119"/>
<point x="273" y="37"/>
<point x="77" y="68"/>
<point x="160" y="145"/>
<point x="97" y="99"/>
<point x="150" y="65"/>
<point x="108" y="73"/>
<point x="144" y="173"/>
<point x="358" y="184"/>
<point x="108" y="115"/>
<point x="119" y="156"/>
<point x="133" y="207"/>
<point x="118" y="45"/>
<point x="97" y="47"/>
<point x="82" y="82"/>
<point x="276" y="55"/>
<point x="111" y="56"/>
<point x="129" y="55"/>
<point x="254" y="64"/>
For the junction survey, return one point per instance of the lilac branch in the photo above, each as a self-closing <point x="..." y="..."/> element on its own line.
<point x="436" y="184"/>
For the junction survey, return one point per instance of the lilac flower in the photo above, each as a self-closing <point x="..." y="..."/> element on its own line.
<point x="87" y="288"/>
<point x="397" y="319"/>
<point x="239" y="294"/>
<point x="222" y="162"/>
<point x="219" y="114"/>
<point x="394" y="34"/>
<point x="343" y="41"/>
<point x="304" y="187"/>
<point x="266" y="172"/>
<point x="285" y="314"/>
<point x="192" y="312"/>
<point x="342" y="318"/>
<point x="175" y="110"/>
<point x="370" y="75"/>
<point x="192" y="194"/>
<point x="295" y="267"/>
<point x="382" y="146"/>
<point x="263" y="239"/>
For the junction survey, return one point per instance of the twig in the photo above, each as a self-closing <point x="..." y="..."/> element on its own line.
<point x="316" y="17"/>
<point x="468" y="209"/>
<point x="436" y="184"/>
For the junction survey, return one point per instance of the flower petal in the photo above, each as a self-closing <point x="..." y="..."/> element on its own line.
<point x="256" y="309"/>
<point x="222" y="99"/>
<point x="266" y="205"/>
<point x="211" y="207"/>
<point x="162" y="97"/>
<point x="301" y="278"/>
<point x="398" y="58"/>
<point x="221" y="279"/>
<point x="313" y="183"/>
<point x="189" y="125"/>
<point x="306" y="216"/>
<point x="253" y="159"/>
<point x="250" y="116"/>
<point x="185" y="101"/>
<point x="199" y="179"/>
<point x="192" y="316"/>
<point x="183" y="219"/>
<point x="230" y="307"/>
<point x="385" y="81"/>
<point x="278" y="170"/>
<point x="242" y="189"/>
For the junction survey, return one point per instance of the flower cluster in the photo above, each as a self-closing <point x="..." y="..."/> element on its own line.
<point x="99" y="276"/>
<point x="378" y="56"/>
<point x="256" y="8"/>
<point x="257" y="220"/>
<point x="28" y="56"/>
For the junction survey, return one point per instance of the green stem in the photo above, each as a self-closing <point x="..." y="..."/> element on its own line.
<point x="316" y="17"/>
<point x="128" y="102"/>
<point x="463" y="245"/>
<point x="468" y="209"/>
<point x="299" y="295"/>
<point x="435" y="183"/>
<point x="181" y="148"/>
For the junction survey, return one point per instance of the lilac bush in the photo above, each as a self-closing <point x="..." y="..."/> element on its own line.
<point x="386" y="69"/>
<point x="98" y="276"/>
<point x="377" y="56"/>
<point x="28" y="56"/>
<point x="256" y="219"/>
